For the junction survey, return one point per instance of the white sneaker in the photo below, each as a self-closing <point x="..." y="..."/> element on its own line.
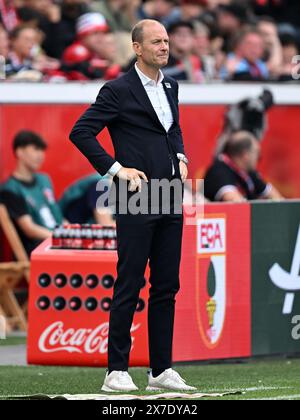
<point x="169" y="379"/>
<point x="118" y="381"/>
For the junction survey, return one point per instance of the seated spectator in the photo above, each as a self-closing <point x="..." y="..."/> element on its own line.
<point x="120" y="15"/>
<point x="28" y="195"/>
<point x="79" y="201"/>
<point x="23" y="39"/>
<point x="25" y="59"/>
<point x="8" y="14"/>
<point x="191" y="9"/>
<point x="272" y="47"/>
<point x="289" y="68"/>
<point x="246" y="62"/>
<point x="165" y="11"/>
<point x="183" y="63"/>
<point x="230" y="19"/>
<point x="4" y="43"/>
<point x="204" y="51"/>
<point x="88" y="58"/>
<point x="57" y="21"/>
<point x="233" y="175"/>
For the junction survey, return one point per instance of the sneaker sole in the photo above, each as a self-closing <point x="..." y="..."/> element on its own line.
<point x="108" y="389"/>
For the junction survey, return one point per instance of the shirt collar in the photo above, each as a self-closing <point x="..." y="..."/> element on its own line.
<point x="146" y="80"/>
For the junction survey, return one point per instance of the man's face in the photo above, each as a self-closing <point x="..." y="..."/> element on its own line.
<point x="228" y="23"/>
<point x="252" y="48"/>
<point x="24" y="43"/>
<point x="154" y="49"/>
<point x="4" y="43"/>
<point x="94" y="42"/>
<point x="41" y="6"/>
<point x="182" y="40"/>
<point x="162" y="8"/>
<point x="31" y="156"/>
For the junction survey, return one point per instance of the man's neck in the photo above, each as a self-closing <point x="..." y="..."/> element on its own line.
<point x="23" y="174"/>
<point x="150" y="72"/>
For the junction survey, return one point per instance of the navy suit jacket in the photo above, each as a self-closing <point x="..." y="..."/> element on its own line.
<point x="140" y="141"/>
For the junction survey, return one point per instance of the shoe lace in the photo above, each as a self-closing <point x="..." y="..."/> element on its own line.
<point x="176" y="375"/>
<point x="124" y="377"/>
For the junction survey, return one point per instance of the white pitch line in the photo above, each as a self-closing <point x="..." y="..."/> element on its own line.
<point x="254" y="389"/>
<point x="283" y="397"/>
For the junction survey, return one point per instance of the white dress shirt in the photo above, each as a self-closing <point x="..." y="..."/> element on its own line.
<point x="161" y="106"/>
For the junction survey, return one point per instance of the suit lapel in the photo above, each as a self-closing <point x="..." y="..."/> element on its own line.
<point x="141" y="96"/>
<point x="171" y="101"/>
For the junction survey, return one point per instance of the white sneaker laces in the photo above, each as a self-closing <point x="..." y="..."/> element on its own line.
<point x="176" y="375"/>
<point x="124" y="377"/>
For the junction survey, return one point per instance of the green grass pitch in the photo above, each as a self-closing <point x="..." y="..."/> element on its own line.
<point x="273" y="379"/>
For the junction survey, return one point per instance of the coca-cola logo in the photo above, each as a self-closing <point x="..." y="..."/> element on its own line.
<point x="56" y="338"/>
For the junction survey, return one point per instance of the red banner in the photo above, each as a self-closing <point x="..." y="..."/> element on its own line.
<point x="213" y="306"/>
<point x="201" y="126"/>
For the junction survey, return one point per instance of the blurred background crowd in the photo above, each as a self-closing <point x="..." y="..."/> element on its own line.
<point x="210" y="40"/>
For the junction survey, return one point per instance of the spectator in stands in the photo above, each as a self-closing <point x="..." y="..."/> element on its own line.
<point x="165" y="11"/>
<point x="26" y="60"/>
<point x="273" y="50"/>
<point x="183" y="63"/>
<point x="4" y="43"/>
<point x="28" y="195"/>
<point x="24" y="42"/>
<point x="79" y="203"/>
<point x="230" y="20"/>
<point x="203" y="50"/>
<point x="246" y="62"/>
<point x="56" y="20"/>
<point x="233" y="175"/>
<point x="290" y="65"/>
<point x="89" y="58"/>
<point x="121" y="15"/>
<point x="8" y="14"/>
<point x="191" y="9"/>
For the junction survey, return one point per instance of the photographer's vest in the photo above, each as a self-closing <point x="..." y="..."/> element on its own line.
<point x="39" y="199"/>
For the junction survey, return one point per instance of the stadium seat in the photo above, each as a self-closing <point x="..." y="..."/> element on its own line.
<point x="10" y="275"/>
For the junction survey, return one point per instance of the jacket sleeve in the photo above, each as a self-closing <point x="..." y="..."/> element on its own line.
<point x="179" y="136"/>
<point x="84" y="134"/>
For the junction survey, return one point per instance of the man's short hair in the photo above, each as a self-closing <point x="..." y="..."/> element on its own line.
<point x="138" y="33"/>
<point x="239" y="143"/>
<point x="15" y="33"/>
<point x="180" y="24"/>
<point x="28" y="138"/>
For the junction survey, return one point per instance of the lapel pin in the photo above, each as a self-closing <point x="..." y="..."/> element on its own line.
<point x="168" y="85"/>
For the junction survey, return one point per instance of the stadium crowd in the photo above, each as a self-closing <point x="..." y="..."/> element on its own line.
<point x="240" y="40"/>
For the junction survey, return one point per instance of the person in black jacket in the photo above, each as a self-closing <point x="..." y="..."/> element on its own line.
<point x="140" y="110"/>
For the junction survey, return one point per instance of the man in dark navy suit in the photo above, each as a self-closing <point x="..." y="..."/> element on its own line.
<point x="140" y="110"/>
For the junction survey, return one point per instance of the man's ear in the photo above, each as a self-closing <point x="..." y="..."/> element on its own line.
<point x="137" y="49"/>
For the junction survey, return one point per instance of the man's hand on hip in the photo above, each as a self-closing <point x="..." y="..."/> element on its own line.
<point x="183" y="171"/>
<point x="134" y="177"/>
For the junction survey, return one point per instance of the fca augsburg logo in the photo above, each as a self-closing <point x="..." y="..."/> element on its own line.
<point x="211" y="282"/>
<point x="288" y="281"/>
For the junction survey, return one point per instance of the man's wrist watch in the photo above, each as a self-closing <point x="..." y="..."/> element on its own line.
<point x="183" y="158"/>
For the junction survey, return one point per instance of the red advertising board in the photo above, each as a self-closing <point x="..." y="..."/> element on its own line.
<point x="62" y="333"/>
<point x="213" y="314"/>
